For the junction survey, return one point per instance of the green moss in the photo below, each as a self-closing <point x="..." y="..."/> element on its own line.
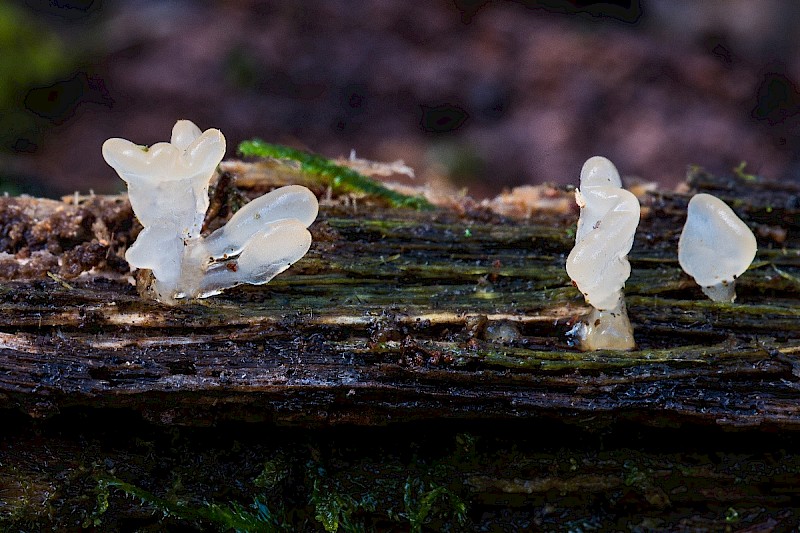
<point x="23" y="493"/>
<point x="31" y="56"/>
<point x="275" y="471"/>
<point x="224" y="517"/>
<point x="338" y="177"/>
<point x="334" y="509"/>
<point x="739" y="172"/>
<point x="349" y="497"/>
<point x="420" y="501"/>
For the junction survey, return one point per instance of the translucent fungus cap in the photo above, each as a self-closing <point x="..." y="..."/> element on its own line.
<point x="168" y="190"/>
<point x="598" y="264"/>
<point x="599" y="171"/>
<point x="168" y="182"/>
<point x="716" y="247"/>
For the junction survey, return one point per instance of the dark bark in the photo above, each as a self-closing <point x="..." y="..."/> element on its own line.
<point x="404" y="316"/>
<point x="413" y="315"/>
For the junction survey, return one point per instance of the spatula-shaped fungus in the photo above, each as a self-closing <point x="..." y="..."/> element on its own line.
<point x="168" y="190"/>
<point x="598" y="264"/>
<point x="715" y="247"/>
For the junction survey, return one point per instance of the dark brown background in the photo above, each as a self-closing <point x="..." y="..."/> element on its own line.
<point x="473" y="93"/>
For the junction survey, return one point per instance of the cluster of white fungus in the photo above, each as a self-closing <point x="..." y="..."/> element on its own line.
<point x="168" y="190"/>
<point x="598" y="264"/>
<point x="715" y="247"/>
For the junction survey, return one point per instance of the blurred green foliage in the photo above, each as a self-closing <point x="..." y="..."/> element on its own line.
<point x="32" y="55"/>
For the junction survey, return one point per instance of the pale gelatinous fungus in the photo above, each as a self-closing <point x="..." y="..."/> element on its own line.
<point x="598" y="264"/>
<point x="715" y="247"/>
<point x="168" y="190"/>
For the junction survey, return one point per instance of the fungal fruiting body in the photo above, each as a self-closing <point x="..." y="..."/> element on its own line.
<point x="598" y="264"/>
<point x="715" y="247"/>
<point x="168" y="190"/>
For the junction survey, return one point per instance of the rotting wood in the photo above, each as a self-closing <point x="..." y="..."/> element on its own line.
<point x="397" y="314"/>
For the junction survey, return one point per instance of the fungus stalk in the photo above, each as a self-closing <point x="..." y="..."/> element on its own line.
<point x="168" y="190"/>
<point x="715" y="247"/>
<point x="598" y="264"/>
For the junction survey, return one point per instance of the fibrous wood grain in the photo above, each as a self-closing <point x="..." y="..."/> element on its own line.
<point x="446" y="328"/>
<point x="398" y="314"/>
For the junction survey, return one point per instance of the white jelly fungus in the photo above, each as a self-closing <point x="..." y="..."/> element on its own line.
<point x="715" y="247"/>
<point x="168" y="190"/>
<point x="598" y="264"/>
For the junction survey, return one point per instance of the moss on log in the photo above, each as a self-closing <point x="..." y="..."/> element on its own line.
<point x="412" y="315"/>
<point x="401" y="316"/>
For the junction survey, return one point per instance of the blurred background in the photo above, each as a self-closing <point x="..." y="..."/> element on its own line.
<point x="472" y="93"/>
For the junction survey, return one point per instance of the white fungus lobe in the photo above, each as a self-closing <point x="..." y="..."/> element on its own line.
<point x="598" y="264"/>
<point x="715" y="247"/>
<point x="168" y="190"/>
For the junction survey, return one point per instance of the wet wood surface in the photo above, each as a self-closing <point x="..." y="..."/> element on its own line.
<point x="412" y="372"/>
<point x="398" y="314"/>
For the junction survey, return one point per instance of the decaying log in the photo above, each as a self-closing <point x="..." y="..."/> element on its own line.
<point x="406" y="315"/>
<point x="397" y="315"/>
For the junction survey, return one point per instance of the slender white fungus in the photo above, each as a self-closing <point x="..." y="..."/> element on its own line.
<point x="168" y="190"/>
<point x="715" y="247"/>
<point x="598" y="264"/>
